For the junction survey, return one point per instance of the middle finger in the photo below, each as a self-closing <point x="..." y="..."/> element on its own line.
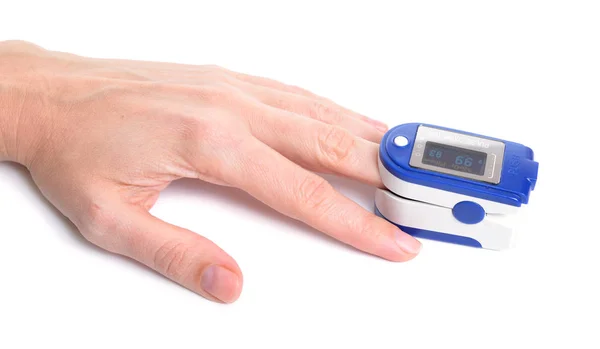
<point x="315" y="145"/>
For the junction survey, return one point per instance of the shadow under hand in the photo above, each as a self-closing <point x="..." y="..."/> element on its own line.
<point x="361" y="193"/>
<point x="32" y="189"/>
<point x="52" y="214"/>
<point x="233" y="197"/>
<point x="358" y="192"/>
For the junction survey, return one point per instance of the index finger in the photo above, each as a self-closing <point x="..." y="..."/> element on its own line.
<point x="303" y="195"/>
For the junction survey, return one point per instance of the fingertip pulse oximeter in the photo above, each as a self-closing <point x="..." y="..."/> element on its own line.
<point x="453" y="186"/>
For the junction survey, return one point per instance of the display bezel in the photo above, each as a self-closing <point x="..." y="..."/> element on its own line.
<point x="494" y="150"/>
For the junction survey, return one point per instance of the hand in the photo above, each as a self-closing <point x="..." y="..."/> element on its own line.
<point x="102" y="138"/>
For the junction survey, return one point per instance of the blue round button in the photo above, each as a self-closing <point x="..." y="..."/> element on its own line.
<point x="468" y="212"/>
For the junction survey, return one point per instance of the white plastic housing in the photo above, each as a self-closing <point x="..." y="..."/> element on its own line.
<point x="494" y="232"/>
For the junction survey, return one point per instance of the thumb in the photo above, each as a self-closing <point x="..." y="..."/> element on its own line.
<point x="183" y="256"/>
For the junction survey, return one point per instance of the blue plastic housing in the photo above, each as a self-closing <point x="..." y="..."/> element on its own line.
<point x="517" y="179"/>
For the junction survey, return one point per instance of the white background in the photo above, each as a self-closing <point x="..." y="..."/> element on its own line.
<point x="526" y="71"/>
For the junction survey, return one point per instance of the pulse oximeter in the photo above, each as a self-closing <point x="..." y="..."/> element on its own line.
<point x="453" y="186"/>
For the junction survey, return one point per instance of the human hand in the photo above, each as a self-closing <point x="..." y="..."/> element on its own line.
<point x="102" y="138"/>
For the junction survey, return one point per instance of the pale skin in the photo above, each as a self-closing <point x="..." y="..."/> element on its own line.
<point x="102" y="138"/>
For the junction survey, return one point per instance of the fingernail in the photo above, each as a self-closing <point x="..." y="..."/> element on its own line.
<point x="407" y="243"/>
<point x="221" y="283"/>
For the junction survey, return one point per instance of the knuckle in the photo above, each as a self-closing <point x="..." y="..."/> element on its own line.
<point x="211" y="133"/>
<point x="229" y="140"/>
<point x="216" y="93"/>
<point x="216" y="137"/>
<point x="325" y="112"/>
<point x="335" y="146"/>
<point x="195" y="129"/>
<point x="212" y="147"/>
<point x="299" y="90"/>
<point x="314" y="193"/>
<point x="368" y="229"/>
<point x="215" y="67"/>
<point x="173" y="259"/>
<point x="100" y="226"/>
<point x="284" y="104"/>
<point x="218" y="75"/>
<point x="122" y="73"/>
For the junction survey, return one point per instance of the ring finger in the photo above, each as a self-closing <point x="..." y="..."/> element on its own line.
<point x="317" y="109"/>
<point x="276" y="85"/>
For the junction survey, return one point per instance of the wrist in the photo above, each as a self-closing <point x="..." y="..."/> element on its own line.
<point x="3" y="152"/>
<point x="6" y="107"/>
<point x="21" y="103"/>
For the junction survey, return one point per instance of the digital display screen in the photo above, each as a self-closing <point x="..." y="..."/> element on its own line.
<point x="454" y="158"/>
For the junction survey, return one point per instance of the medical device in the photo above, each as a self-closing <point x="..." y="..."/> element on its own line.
<point x="453" y="186"/>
